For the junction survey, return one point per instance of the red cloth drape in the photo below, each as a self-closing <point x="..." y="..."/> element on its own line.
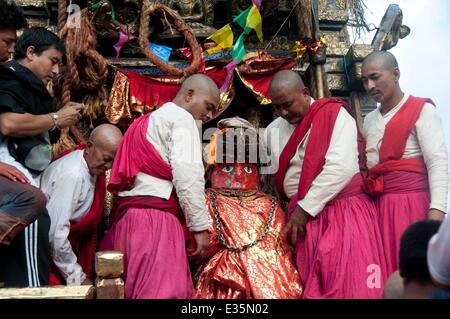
<point x="392" y="148"/>
<point x="321" y="116"/>
<point x="136" y="154"/>
<point x="82" y="234"/>
<point x="399" y="128"/>
<point x="149" y="94"/>
<point x="258" y="80"/>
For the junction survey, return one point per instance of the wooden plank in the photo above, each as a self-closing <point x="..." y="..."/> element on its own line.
<point x="388" y="22"/>
<point x="56" y="292"/>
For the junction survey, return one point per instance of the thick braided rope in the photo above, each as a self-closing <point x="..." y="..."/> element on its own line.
<point x="87" y="69"/>
<point x="172" y="17"/>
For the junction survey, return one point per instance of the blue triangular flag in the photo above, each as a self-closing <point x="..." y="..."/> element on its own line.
<point x="161" y="51"/>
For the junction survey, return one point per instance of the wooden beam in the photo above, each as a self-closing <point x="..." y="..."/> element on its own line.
<point x="393" y="13"/>
<point x="56" y="292"/>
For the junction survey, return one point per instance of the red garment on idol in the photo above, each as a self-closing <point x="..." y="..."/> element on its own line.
<point x="264" y="271"/>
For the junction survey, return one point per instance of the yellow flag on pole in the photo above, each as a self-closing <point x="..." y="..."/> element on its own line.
<point x="254" y="21"/>
<point x="223" y="38"/>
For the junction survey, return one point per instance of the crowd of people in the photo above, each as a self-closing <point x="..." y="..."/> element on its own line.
<point x="365" y="213"/>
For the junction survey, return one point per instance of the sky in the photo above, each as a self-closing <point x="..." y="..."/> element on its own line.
<point x="424" y="55"/>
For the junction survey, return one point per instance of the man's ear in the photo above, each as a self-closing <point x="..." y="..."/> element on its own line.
<point x="30" y="52"/>
<point x="189" y="95"/>
<point x="397" y="74"/>
<point x="305" y="91"/>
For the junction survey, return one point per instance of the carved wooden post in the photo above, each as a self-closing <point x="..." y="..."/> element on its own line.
<point x="362" y="102"/>
<point x="390" y="30"/>
<point x="304" y="18"/>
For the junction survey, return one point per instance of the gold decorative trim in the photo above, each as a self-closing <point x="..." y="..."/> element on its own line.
<point x="260" y="97"/>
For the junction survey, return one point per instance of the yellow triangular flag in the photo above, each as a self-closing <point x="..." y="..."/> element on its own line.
<point x="223" y="37"/>
<point x="254" y="21"/>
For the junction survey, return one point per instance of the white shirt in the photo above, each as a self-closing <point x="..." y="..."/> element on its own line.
<point x="276" y="136"/>
<point x="341" y="161"/>
<point x="426" y="139"/>
<point x="438" y="254"/>
<point x="5" y="157"/>
<point x="69" y="188"/>
<point x="175" y="135"/>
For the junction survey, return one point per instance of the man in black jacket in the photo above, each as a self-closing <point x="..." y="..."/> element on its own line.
<point x="28" y="126"/>
<point x="20" y="202"/>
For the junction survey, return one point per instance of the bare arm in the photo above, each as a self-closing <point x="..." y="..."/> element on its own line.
<point x="26" y="124"/>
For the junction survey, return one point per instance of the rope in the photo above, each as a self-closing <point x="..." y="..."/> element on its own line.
<point x="61" y="14"/>
<point x="171" y="16"/>
<point x="304" y="19"/>
<point x="86" y="70"/>
<point x="284" y="22"/>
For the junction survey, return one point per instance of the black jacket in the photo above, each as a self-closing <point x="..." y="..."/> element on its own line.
<point x="22" y="92"/>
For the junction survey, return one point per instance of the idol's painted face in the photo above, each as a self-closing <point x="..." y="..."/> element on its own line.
<point x="238" y="176"/>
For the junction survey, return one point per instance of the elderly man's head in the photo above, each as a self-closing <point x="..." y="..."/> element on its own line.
<point x="199" y="96"/>
<point x="11" y="20"/>
<point x="289" y="96"/>
<point x="101" y="148"/>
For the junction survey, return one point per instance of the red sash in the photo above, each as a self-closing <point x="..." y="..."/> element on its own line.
<point x="83" y="234"/>
<point x="136" y="154"/>
<point x="322" y="116"/>
<point x="393" y="146"/>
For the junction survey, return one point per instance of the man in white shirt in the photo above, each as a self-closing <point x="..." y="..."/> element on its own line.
<point x="406" y="154"/>
<point x="158" y="177"/>
<point x="332" y="222"/>
<point x="74" y="187"/>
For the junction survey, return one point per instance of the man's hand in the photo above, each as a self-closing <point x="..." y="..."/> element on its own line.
<point x="296" y="224"/>
<point x="70" y="114"/>
<point x="13" y="173"/>
<point x="202" y="243"/>
<point x="436" y="214"/>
